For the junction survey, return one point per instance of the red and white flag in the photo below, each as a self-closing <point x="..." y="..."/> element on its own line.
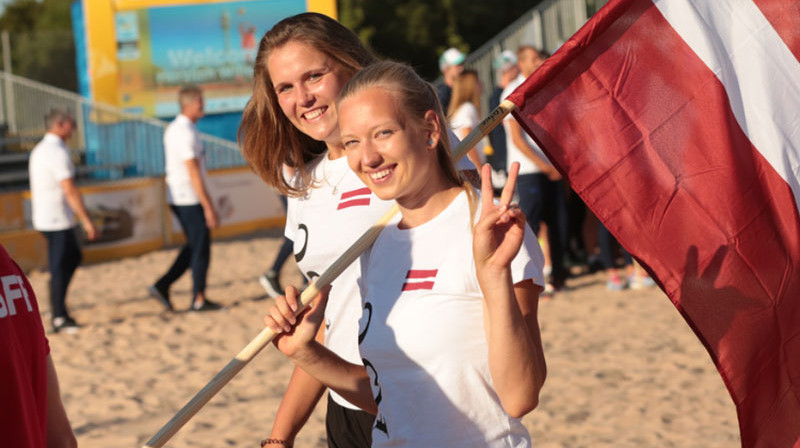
<point x="417" y="279"/>
<point x="354" y="198"/>
<point x="678" y="123"/>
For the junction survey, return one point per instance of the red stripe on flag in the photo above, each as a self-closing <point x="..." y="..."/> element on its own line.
<point x="417" y="285"/>
<point x="353" y="203"/>
<point x="421" y="273"/>
<point x="782" y="15"/>
<point x="359" y="192"/>
<point x="644" y="132"/>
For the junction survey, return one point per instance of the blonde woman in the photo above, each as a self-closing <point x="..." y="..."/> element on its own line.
<point x="464" y="111"/>
<point x="449" y="339"/>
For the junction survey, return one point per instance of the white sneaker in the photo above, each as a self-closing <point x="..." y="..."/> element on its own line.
<point x="269" y="282"/>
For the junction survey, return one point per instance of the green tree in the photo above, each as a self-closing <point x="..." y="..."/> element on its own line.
<point x="418" y="31"/>
<point x="42" y="44"/>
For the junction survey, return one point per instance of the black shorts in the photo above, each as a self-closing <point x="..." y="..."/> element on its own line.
<point x="347" y="428"/>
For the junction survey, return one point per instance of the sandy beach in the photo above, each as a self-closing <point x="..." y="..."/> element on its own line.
<point x="624" y="369"/>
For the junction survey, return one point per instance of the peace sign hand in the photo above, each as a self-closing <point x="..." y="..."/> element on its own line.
<point x="501" y="227"/>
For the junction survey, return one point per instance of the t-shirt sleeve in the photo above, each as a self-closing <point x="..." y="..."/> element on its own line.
<point x="9" y="266"/>
<point x="291" y="218"/>
<point x="529" y="261"/>
<point x="63" y="168"/>
<point x="470" y="115"/>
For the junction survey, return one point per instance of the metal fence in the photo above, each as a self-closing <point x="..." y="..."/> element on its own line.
<point x="108" y="143"/>
<point x="547" y="26"/>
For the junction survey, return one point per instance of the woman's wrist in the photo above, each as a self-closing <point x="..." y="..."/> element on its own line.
<point x="492" y="277"/>
<point x="274" y="441"/>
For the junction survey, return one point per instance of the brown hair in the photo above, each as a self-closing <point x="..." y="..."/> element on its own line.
<point x="466" y="89"/>
<point x="267" y="139"/>
<point x="417" y="97"/>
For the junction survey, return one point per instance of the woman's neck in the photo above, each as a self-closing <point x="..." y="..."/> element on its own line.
<point x="419" y="210"/>
<point x="335" y="150"/>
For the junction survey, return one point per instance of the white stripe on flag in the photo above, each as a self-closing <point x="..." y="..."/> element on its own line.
<point x="760" y="74"/>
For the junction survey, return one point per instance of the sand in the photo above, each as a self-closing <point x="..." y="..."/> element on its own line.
<point x="624" y="370"/>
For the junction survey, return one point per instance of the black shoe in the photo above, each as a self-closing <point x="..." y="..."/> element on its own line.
<point x="270" y="283"/>
<point x="207" y="305"/>
<point x="65" y="324"/>
<point x="160" y="294"/>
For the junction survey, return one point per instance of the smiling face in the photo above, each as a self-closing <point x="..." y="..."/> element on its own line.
<point x="307" y="84"/>
<point x="393" y="155"/>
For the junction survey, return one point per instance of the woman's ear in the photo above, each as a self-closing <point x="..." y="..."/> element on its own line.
<point x="433" y="127"/>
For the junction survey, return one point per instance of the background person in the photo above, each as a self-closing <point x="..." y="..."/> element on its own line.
<point x="464" y="111"/>
<point x="55" y="201"/>
<point x="451" y="64"/>
<point x="506" y="70"/>
<point x="189" y="201"/>
<point x="541" y="191"/>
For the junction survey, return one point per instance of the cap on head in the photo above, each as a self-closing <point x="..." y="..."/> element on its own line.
<point x="451" y="56"/>
<point x="505" y="61"/>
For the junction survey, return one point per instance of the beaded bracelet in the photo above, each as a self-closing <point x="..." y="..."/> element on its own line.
<point x="282" y="442"/>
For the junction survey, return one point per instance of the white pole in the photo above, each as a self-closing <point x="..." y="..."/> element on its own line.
<point x="9" y="88"/>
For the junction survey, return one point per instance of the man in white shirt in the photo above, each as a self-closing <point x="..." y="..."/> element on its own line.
<point x="55" y="202"/>
<point x="189" y="200"/>
<point x="541" y="191"/>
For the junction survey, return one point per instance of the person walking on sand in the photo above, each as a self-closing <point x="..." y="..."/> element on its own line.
<point x="189" y="201"/>
<point x="55" y="201"/>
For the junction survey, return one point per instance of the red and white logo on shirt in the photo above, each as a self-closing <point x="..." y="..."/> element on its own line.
<point x="354" y="198"/>
<point x="417" y="279"/>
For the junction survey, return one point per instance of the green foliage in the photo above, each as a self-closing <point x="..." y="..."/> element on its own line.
<point x="42" y="44"/>
<point x="418" y="31"/>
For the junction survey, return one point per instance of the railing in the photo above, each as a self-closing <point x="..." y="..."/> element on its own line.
<point x="106" y="137"/>
<point x="547" y="26"/>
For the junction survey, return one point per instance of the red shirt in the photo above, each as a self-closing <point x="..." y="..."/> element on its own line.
<point x="23" y="361"/>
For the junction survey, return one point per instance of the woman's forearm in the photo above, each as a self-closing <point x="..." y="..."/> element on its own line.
<point x="516" y="359"/>
<point x="347" y="379"/>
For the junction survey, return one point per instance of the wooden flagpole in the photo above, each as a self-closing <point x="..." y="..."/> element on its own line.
<point x="266" y="335"/>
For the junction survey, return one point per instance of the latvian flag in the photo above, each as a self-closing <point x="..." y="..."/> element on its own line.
<point x="417" y="279"/>
<point x="354" y="197"/>
<point x="678" y="123"/>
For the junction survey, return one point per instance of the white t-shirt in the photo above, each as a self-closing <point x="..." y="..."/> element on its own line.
<point x="466" y="116"/>
<point x="422" y="337"/>
<point x="334" y="213"/>
<point x="513" y="154"/>
<point x="49" y="164"/>
<point x="182" y="143"/>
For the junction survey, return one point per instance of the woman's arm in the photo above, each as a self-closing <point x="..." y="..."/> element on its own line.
<point x="516" y="358"/>
<point x="301" y="397"/>
<point x="296" y="339"/>
<point x="59" y="431"/>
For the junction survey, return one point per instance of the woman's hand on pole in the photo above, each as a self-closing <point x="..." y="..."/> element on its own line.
<point x="295" y="332"/>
